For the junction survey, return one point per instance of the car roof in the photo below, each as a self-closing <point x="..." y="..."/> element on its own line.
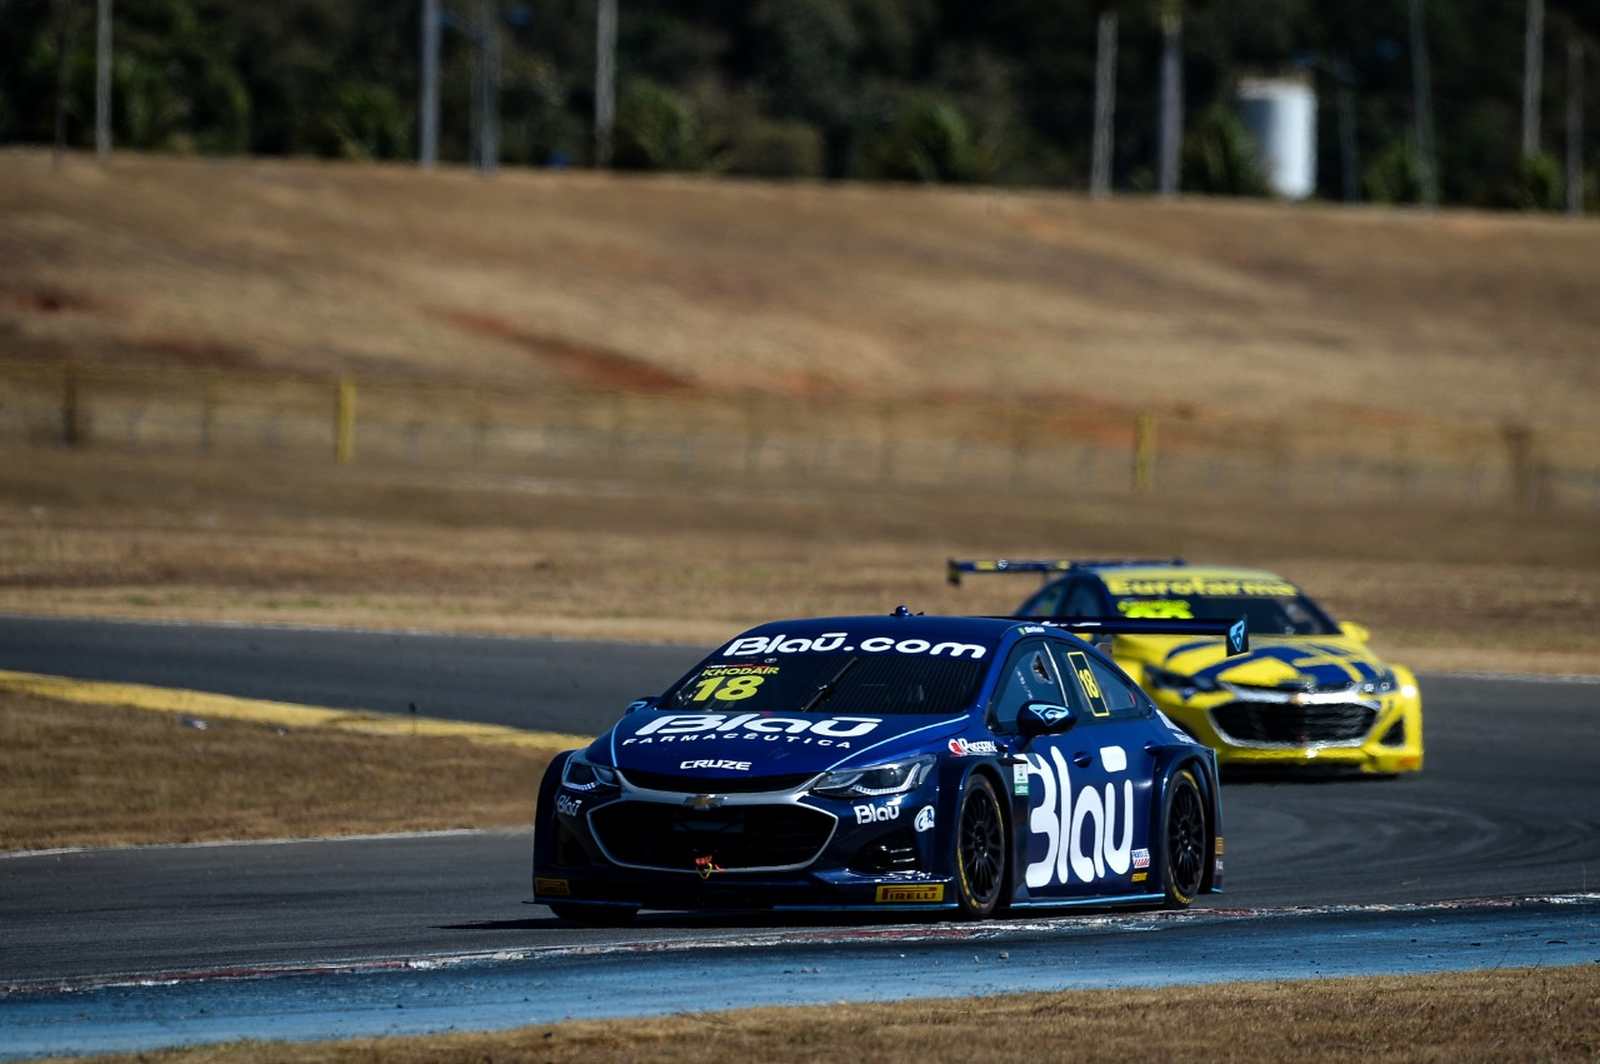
<point x="987" y="630"/>
<point x="1183" y="572"/>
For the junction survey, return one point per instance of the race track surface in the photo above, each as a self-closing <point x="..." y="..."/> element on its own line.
<point x="544" y="685"/>
<point x="1509" y="804"/>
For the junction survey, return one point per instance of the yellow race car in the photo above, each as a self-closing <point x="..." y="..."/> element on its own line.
<point x="1310" y="691"/>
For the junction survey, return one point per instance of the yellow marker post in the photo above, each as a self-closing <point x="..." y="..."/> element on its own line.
<point x="1144" y="451"/>
<point x="344" y="426"/>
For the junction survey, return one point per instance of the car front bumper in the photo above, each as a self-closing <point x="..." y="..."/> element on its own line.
<point x="1391" y="744"/>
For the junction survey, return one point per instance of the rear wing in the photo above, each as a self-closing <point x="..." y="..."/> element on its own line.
<point x="955" y="567"/>
<point x="1236" y="633"/>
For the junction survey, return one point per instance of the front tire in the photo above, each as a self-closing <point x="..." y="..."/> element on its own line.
<point x="594" y="915"/>
<point x="980" y="850"/>
<point x="1185" y="840"/>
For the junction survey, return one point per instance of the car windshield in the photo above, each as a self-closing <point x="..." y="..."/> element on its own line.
<point x="1266" y="615"/>
<point x="840" y="682"/>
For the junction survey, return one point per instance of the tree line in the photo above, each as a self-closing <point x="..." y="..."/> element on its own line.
<point x="913" y="90"/>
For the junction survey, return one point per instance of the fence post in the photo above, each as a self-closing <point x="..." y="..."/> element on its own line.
<point x="1144" y="451"/>
<point x="74" y="432"/>
<point x="344" y="427"/>
<point x="1522" y="464"/>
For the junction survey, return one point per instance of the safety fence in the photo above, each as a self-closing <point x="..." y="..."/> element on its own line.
<point x="1037" y="446"/>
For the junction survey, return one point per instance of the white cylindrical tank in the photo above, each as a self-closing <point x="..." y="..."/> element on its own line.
<point x="1281" y="114"/>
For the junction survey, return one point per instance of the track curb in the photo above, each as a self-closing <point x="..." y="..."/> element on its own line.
<point x="205" y="704"/>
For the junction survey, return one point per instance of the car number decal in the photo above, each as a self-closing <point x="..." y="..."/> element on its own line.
<point x="1086" y="680"/>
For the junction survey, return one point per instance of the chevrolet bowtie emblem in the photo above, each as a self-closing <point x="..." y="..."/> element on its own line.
<point x="703" y="801"/>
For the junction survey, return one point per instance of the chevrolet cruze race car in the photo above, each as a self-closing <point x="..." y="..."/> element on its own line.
<point x="1310" y="693"/>
<point x="887" y="763"/>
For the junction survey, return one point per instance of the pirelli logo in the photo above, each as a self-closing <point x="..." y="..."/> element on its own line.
<point x="551" y="888"/>
<point x="929" y="892"/>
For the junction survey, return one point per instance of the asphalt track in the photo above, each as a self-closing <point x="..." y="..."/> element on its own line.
<point x="1509" y="804"/>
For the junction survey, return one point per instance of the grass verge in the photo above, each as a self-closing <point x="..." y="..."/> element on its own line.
<point x="586" y="554"/>
<point x="798" y="289"/>
<point x="1522" y="1014"/>
<point x="77" y="775"/>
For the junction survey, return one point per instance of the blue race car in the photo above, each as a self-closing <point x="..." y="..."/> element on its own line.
<point x="900" y="762"/>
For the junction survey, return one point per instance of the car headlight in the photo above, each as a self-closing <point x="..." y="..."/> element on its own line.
<point x="1176" y="681"/>
<point x="897" y="777"/>
<point x="581" y="774"/>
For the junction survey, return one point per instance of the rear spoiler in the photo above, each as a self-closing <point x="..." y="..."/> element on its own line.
<point x="1236" y="633"/>
<point x="990" y="566"/>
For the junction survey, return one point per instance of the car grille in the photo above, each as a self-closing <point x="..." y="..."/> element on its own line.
<point x="655" y="835"/>
<point x="1291" y="725"/>
<point x="666" y="781"/>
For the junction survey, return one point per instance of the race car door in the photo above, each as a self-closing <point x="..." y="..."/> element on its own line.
<point x="1088" y="787"/>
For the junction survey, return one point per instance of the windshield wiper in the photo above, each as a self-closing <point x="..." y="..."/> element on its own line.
<point x="825" y="692"/>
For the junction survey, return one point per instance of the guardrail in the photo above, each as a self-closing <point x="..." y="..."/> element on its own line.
<point x="1043" y="445"/>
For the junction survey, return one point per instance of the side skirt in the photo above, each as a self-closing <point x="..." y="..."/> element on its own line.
<point x="1105" y="901"/>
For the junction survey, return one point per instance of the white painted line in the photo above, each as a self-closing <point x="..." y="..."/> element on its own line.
<point x="213" y="844"/>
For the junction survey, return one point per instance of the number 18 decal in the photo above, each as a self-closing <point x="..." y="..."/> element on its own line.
<point x="727" y="688"/>
<point x="1086" y="680"/>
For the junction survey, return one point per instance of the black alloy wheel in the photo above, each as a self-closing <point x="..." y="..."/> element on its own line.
<point x="1186" y="838"/>
<point x="981" y="849"/>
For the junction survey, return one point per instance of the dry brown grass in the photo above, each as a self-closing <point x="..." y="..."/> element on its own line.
<point x="77" y="775"/>
<point x="856" y="316"/>
<point x="800" y="289"/>
<point x="1526" y="1014"/>
<point x="177" y="537"/>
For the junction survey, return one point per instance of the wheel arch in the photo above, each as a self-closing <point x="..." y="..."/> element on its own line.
<point x="1206" y="776"/>
<point x="990" y="770"/>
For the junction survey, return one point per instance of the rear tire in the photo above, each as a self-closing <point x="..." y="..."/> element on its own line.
<point x="594" y="915"/>
<point x="1185" y="840"/>
<point x="981" y="849"/>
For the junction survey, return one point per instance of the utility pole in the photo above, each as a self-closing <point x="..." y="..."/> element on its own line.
<point x="1349" y="159"/>
<point x="1574" y="125"/>
<point x="102" y="80"/>
<point x="1532" y="78"/>
<point x="1422" y="107"/>
<point x="489" y="87"/>
<point x="605" y="80"/>
<point x="1105" y="104"/>
<point x="61" y="15"/>
<point x="428" y="104"/>
<point x="1171" y="96"/>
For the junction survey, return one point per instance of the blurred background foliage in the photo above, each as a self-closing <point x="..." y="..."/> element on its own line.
<point x="906" y="90"/>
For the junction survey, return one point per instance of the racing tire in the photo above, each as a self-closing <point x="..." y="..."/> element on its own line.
<point x="1185" y="840"/>
<point x="594" y="915"/>
<point x="981" y="849"/>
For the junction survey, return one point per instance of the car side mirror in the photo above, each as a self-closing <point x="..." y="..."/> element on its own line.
<point x="646" y="702"/>
<point x="1359" y="632"/>
<point x="1044" y="718"/>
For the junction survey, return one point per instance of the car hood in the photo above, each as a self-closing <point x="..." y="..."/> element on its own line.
<point x="1305" y="662"/>
<point x="734" y="746"/>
